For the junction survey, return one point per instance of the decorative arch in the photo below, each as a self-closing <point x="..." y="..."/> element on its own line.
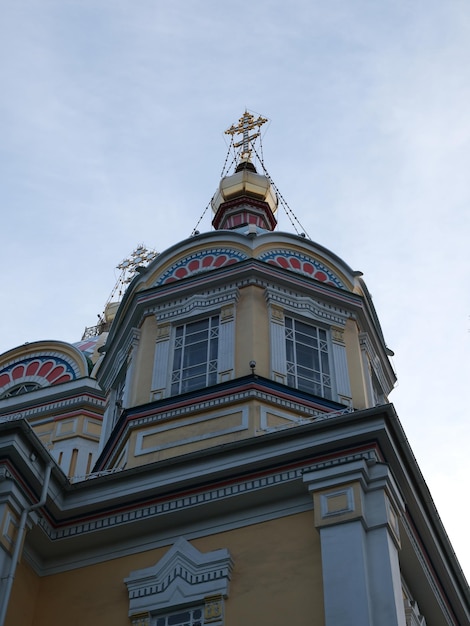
<point x="302" y="264"/>
<point x="200" y="261"/>
<point x="36" y="365"/>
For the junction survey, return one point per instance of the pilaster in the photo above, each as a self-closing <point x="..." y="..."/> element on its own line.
<point x="356" y="509"/>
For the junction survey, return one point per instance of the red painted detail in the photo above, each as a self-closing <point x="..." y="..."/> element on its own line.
<point x="32" y="368"/>
<point x="282" y="262"/>
<point x="55" y="373"/>
<point x="45" y="368"/>
<point x="321" y="276"/>
<point x="172" y="279"/>
<point x="17" y="372"/>
<point x="62" y="379"/>
<point x="4" y="379"/>
<point x="193" y="265"/>
<point x="231" y="261"/>
<point x="181" y="272"/>
<point x="295" y="263"/>
<point x="221" y="260"/>
<point x="208" y="260"/>
<point x="308" y="268"/>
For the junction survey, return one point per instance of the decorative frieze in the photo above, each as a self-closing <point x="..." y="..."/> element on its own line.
<point x="176" y="503"/>
<point x="200" y="261"/>
<point x="302" y="264"/>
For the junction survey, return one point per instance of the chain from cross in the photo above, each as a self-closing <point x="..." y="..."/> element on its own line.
<point x="246" y="123"/>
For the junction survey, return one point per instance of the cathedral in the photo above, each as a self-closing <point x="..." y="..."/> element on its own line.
<point x="220" y="449"/>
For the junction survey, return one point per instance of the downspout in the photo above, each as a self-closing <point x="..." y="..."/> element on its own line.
<point x="19" y="543"/>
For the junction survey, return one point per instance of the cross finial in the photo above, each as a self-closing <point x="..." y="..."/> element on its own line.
<point x="246" y="123"/>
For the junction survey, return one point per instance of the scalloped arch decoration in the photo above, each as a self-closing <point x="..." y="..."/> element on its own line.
<point x="302" y="264"/>
<point x="201" y="261"/>
<point x="44" y="369"/>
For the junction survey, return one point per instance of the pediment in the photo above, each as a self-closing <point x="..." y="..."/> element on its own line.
<point x="183" y="576"/>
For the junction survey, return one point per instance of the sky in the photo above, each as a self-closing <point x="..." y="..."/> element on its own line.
<point x="112" y="119"/>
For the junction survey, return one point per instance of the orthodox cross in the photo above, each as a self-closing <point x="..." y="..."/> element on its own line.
<point x="246" y="123"/>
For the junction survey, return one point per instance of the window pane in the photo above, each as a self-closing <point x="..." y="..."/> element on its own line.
<point x="196" y="346"/>
<point x="308" y="366"/>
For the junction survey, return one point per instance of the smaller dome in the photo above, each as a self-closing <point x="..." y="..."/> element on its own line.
<point x="245" y="182"/>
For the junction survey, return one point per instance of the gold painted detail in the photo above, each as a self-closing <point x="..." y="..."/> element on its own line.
<point x="227" y="313"/>
<point x="337" y="334"/>
<point x="277" y="314"/>
<point x="143" y="619"/>
<point x="213" y="609"/>
<point x="246" y="123"/>
<point x="163" y="332"/>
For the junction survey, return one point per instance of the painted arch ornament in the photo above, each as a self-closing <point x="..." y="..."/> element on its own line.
<point x="201" y="261"/>
<point x="302" y="264"/>
<point x="34" y="372"/>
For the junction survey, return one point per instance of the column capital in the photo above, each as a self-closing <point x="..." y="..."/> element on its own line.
<point x="360" y="489"/>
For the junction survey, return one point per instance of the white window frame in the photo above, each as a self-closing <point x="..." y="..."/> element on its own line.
<point x="186" y="311"/>
<point x="180" y="376"/>
<point x="196" y="617"/>
<point x="284" y="303"/>
<point x="323" y="369"/>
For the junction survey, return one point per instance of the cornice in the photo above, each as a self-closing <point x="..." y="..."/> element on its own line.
<point x="195" y="497"/>
<point x="226" y="394"/>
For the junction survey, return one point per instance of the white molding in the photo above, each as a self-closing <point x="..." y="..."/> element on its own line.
<point x="120" y="358"/>
<point x="341" y="373"/>
<point x="427" y="572"/>
<point x="187" y="307"/>
<point x="184" y="576"/>
<point x="308" y="307"/>
<point x="373" y="362"/>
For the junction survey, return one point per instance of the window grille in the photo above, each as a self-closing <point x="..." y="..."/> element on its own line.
<point x="188" y="617"/>
<point x="308" y="366"/>
<point x="195" y="355"/>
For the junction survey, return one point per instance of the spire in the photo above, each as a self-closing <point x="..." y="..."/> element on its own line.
<point x="245" y="197"/>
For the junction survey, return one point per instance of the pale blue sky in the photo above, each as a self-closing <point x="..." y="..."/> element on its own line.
<point x="111" y="122"/>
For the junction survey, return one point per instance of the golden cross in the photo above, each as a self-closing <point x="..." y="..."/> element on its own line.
<point x="246" y="123"/>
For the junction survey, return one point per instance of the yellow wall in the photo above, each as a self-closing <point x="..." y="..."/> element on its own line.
<point x="252" y="332"/>
<point x="142" y="379"/>
<point x="276" y="580"/>
<point x="24" y="597"/>
<point x="355" y="367"/>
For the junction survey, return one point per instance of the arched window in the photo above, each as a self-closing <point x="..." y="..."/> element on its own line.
<point x="20" y="389"/>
